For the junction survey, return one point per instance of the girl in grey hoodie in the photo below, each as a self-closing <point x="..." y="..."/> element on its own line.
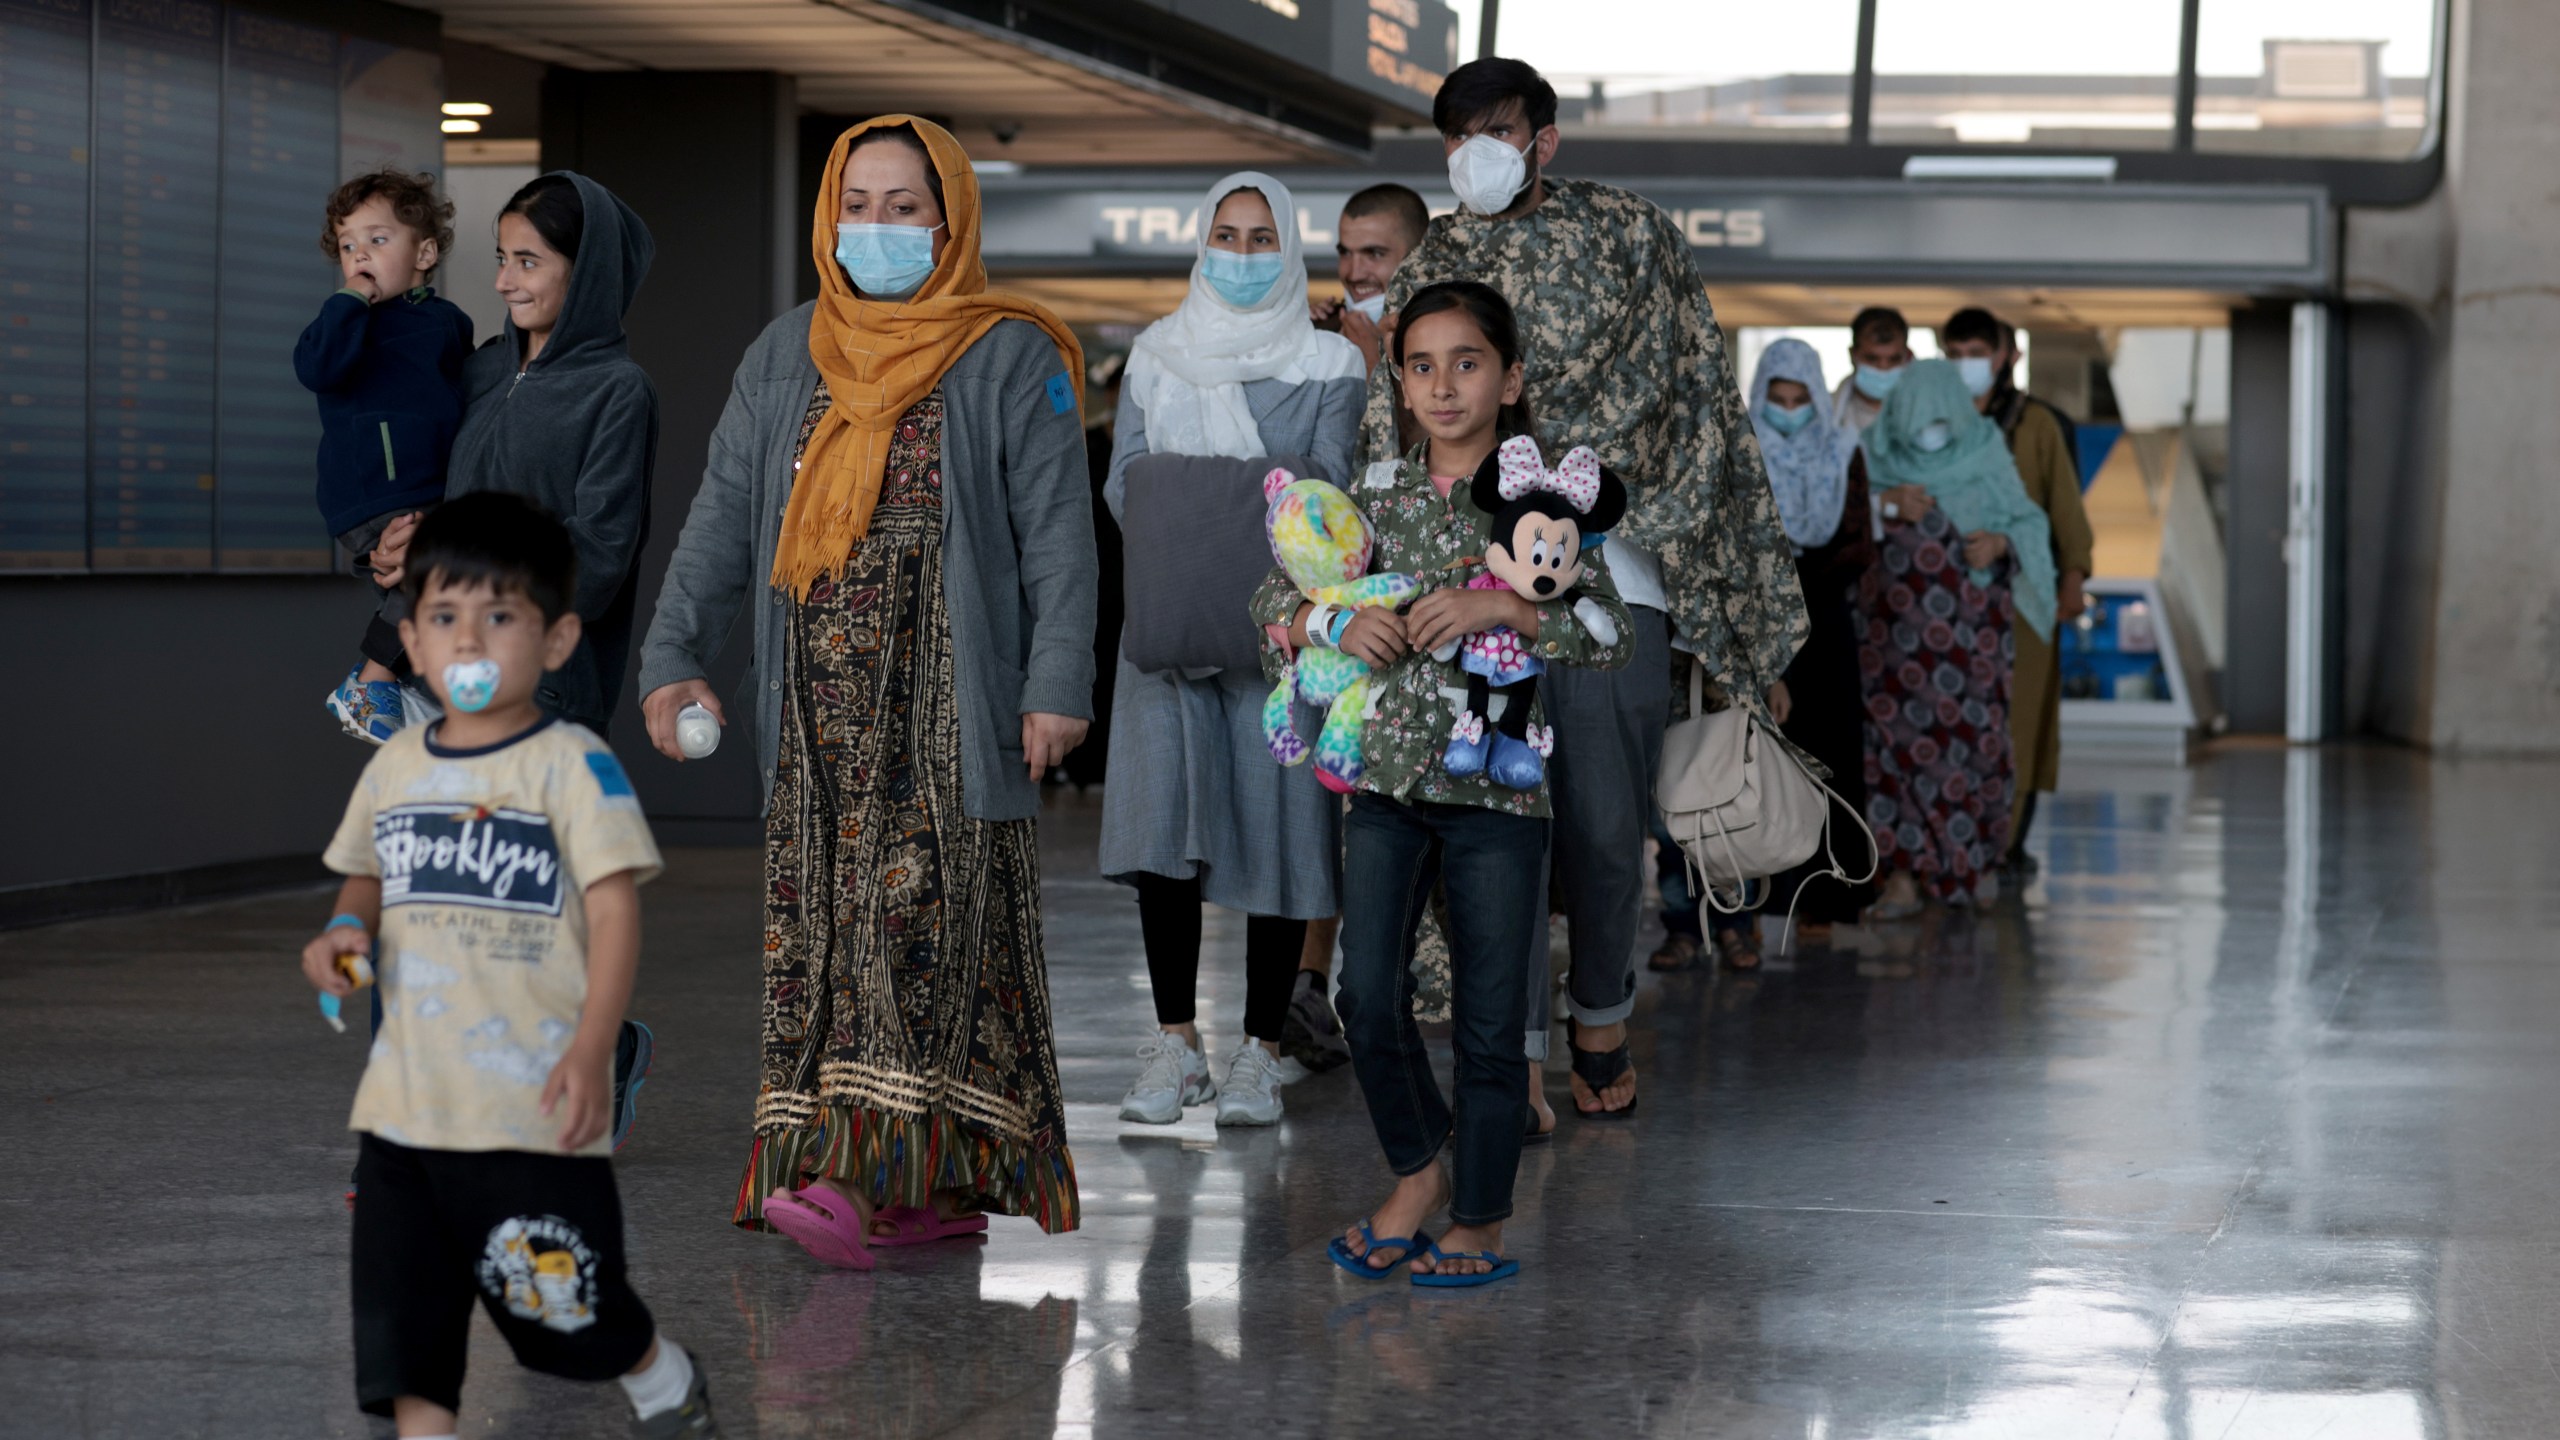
<point x="556" y="410"/>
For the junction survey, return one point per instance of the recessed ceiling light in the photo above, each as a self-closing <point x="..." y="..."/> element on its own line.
<point x="465" y="107"/>
<point x="462" y="127"/>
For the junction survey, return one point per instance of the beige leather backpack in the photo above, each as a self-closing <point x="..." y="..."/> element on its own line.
<point x="1740" y="805"/>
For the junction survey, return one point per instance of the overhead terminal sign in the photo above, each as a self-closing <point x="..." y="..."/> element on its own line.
<point x="1397" y="50"/>
<point x="1871" y="231"/>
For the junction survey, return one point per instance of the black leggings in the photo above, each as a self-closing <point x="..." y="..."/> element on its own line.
<point x="1169" y="917"/>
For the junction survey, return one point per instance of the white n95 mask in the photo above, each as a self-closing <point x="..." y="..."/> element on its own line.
<point x="1487" y="174"/>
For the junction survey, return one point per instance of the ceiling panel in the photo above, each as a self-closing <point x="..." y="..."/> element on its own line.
<point x="855" y="56"/>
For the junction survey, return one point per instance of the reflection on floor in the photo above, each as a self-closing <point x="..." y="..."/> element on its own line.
<point x="2240" y="1125"/>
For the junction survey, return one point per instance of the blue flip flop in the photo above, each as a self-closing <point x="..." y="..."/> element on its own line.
<point x="1503" y="1269"/>
<point x="1359" y="1264"/>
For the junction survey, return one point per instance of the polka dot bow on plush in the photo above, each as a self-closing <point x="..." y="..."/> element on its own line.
<point x="1576" y="477"/>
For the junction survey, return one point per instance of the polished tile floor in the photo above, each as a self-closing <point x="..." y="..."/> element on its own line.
<point x="2241" y="1125"/>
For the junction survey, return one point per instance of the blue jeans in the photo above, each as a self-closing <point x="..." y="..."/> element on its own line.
<point x="1492" y="864"/>
<point x="1680" y="908"/>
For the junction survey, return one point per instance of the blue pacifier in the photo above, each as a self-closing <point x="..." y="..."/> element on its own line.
<point x="471" y="684"/>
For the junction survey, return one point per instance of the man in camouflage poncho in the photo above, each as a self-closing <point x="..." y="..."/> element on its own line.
<point x="1622" y="354"/>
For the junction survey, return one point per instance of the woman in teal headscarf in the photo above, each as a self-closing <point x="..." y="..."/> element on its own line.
<point x="1952" y="573"/>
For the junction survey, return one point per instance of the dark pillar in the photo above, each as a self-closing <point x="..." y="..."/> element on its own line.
<point x="2253" y="675"/>
<point x="709" y="161"/>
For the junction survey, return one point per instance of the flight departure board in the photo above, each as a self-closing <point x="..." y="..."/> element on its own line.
<point x="153" y="270"/>
<point x="44" y="285"/>
<point x="166" y="165"/>
<point x="279" y="150"/>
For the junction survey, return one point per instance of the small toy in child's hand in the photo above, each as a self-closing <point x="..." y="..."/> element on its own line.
<point x="359" y="973"/>
<point x="1322" y="542"/>
<point x="1543" y="521"/>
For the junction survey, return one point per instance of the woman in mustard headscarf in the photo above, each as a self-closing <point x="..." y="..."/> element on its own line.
<point x="898" y="492"/>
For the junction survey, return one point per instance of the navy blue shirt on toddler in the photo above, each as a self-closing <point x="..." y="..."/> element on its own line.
<point x="389" y="378"/>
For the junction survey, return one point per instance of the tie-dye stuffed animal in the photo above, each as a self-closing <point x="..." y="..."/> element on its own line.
<point x="1322" y="542"/>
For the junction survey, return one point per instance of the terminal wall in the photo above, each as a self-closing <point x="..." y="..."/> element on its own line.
<point x="173" y="722"/>
<point x="2496" y="624"/>
<point x="709" y="159"/>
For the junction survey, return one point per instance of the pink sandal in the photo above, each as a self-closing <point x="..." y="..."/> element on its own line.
<point x="823" y="1222"/>
<point x="923" y="1227"/>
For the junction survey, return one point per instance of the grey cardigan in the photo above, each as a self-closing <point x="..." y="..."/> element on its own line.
<point x="1019" y="571"/>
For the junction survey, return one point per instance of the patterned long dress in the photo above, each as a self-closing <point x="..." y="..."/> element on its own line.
<point x="907" y="1042"/>
<point x="1935" y="660"/>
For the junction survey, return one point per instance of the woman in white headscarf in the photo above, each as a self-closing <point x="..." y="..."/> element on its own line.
<point x="1196" y="809"/>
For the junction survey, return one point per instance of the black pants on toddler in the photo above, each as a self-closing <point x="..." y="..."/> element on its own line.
<point x="538" y="1238"/>
<point x="381" y="643"/>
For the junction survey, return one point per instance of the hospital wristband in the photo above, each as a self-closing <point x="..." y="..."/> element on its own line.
<point x="1333" y="632"/>
<point x="1319" y="624"/>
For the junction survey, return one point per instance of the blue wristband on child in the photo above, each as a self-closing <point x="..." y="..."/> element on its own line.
<point x="1333" y="632"/>
<point x="348" y="920"/>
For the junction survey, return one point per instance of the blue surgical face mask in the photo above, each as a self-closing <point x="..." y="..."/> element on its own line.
<point x="885" y="262"/>
<point x="1876" y="384"/>
<point x="1784" y="420"/>
<point x="1976" y="370"/>
<point x="1240" y="280"/>
<point x="1934" y="436"/>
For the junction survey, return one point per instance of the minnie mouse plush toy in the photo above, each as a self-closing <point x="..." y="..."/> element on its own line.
<point x="1543" y="520"/>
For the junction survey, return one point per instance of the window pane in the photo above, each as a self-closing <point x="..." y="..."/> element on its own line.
<point x="2344" y="78"/>
<point x="2027" y="72"/>
<point x="1720" y="69"/>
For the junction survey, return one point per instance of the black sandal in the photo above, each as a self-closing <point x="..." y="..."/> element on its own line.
<point x="1676" y="953"/>
<point x="1739" y="950"/>
<point x="1599" y="1070"/>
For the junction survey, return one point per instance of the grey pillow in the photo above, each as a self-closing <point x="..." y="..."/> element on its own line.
<point x="1193" y="552"/>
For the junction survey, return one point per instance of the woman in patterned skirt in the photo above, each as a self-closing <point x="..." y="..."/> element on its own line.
<point x="1964" y="553"/>
<point x="902" y="466"/>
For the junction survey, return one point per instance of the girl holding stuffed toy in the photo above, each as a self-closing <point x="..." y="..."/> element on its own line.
<point x="1439" y="512"/>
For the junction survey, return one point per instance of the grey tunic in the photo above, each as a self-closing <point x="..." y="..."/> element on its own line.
<point x="1193" y="790"/>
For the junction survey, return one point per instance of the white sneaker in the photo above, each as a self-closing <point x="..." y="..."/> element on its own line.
<point x="1176" y="1075"/>
<point x="1251" y="1094"/>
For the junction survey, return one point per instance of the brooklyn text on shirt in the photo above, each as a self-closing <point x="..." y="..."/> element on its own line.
<point x="468" y="855"/>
